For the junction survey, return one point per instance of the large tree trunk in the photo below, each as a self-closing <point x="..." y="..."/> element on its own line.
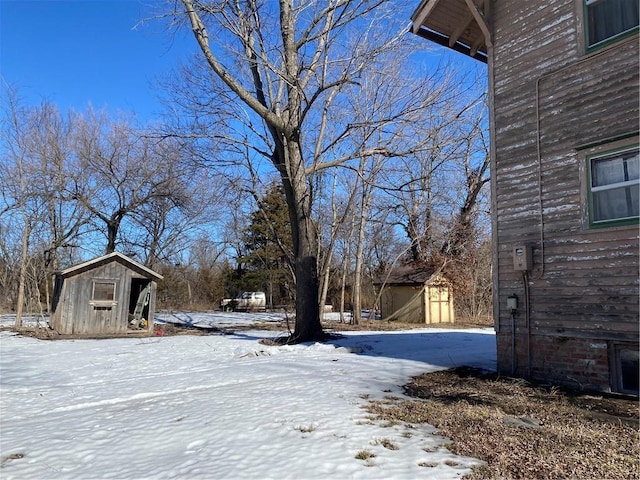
<point x="112" y="235"/>
<point x="304" y="239"/>
<point x="308" y="326"/>
<point x="299" y="76"/>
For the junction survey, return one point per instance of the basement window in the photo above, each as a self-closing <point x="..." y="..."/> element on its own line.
<point x="607" y="20"/>
<point x="614" y="181"/>
<point x="626" y="369"/>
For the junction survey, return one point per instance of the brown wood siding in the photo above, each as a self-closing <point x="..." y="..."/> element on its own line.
<point x="78" y="315"/>
<point x="74" y="309"/>
<point x="588" y="285"/>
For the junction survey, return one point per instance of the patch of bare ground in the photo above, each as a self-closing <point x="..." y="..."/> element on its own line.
<point x="333" y="328"/>
<point x="523" y="431"/>
<point x="46" y="333"/>
<point x="385" y="325"/>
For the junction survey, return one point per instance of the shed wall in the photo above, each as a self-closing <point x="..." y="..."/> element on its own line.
<point x="396" y="297"/>
<point x="78" y="313"/>
<point x="439" y="304"/>
<point x="429" y="304"/>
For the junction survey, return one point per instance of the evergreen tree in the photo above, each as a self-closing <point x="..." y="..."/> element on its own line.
<point x="268" y="257"/>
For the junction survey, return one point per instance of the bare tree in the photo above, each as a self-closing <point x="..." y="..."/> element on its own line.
<point x="190" y="204"/>
<point x="438" y="196"/>
<point x="297" y="68"/>
<point x="474" y="165"/>
<point x="21" y="194"/>
<point x="340" y="204"/>
<point x="434" y="194"/>
<point x="63" y="219"/>
<point x="61" y="174"/>
<point x="121" y="172"/>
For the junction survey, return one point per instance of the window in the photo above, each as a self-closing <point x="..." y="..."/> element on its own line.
<point x="626" y="369"/>
<point x="629" y="370"/>
<point x="104" y="291"/>
<point x="614" y="187"/>
<point x="606" y="19"/>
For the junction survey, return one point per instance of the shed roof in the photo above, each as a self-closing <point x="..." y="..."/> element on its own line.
<point x="406" y="275"/>
<point x="457" y="24"/>
<point x="110" y="257"/>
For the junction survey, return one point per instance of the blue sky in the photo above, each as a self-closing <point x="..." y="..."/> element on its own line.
<point x="76" y="52"/>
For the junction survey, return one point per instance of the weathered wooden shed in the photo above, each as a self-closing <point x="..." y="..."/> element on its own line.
<point x="415" y="295"/>
<point x="112" y="294"/>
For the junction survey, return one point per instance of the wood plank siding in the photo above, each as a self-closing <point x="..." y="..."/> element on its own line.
<point x="550" y="100"/>
<point x="97" y="297"/>
<point x="581" y="100"/>
<point x="554" y="102"/>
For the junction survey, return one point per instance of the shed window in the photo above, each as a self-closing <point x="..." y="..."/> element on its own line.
<point x="104" y="291"/>
<point x="613" y="187"/>
<point x="606" y="19"/>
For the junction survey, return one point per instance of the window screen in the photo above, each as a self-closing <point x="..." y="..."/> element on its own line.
<point x="614" y="186"/>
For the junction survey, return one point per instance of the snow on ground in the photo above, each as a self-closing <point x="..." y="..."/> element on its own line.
<point x="219" y="319"/>
<point x="222" y="406"/>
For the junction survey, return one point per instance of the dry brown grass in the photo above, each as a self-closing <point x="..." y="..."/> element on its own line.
<point x="385" y="325"/>
<point x="522" y="431"/>
<point x="46" y="333"/>
<point x="330" y="326"/>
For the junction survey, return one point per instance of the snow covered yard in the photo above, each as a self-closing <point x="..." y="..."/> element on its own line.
<point x="222" y="406"/>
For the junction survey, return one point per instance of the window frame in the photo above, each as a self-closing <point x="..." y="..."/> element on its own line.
<point x="589" y="188"/>
<point x="607" y="41"/>
<point x="103" y="302"/>
<point x="616" y="374"/>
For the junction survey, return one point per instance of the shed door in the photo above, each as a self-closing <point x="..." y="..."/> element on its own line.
<point x="439" y="304"/>
<point x="103" y="307"/>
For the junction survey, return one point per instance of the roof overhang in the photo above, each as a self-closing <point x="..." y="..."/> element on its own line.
<point x="111" y="257"/>
<point x="408" y="276"/>
<point x="457" y="24"/>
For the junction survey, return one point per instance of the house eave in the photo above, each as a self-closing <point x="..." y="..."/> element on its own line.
<point x="440" y="39"/>
<point x="460" y="25"/>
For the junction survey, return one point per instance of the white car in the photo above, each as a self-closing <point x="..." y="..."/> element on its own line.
<point x="247" y="302"/>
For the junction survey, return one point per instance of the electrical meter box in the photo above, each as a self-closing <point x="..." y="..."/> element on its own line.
<point x="522" y="261"/>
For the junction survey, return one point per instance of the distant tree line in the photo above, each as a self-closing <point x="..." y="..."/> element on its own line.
<point x="81" y="185"/>
<point x="304" y="164"/>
